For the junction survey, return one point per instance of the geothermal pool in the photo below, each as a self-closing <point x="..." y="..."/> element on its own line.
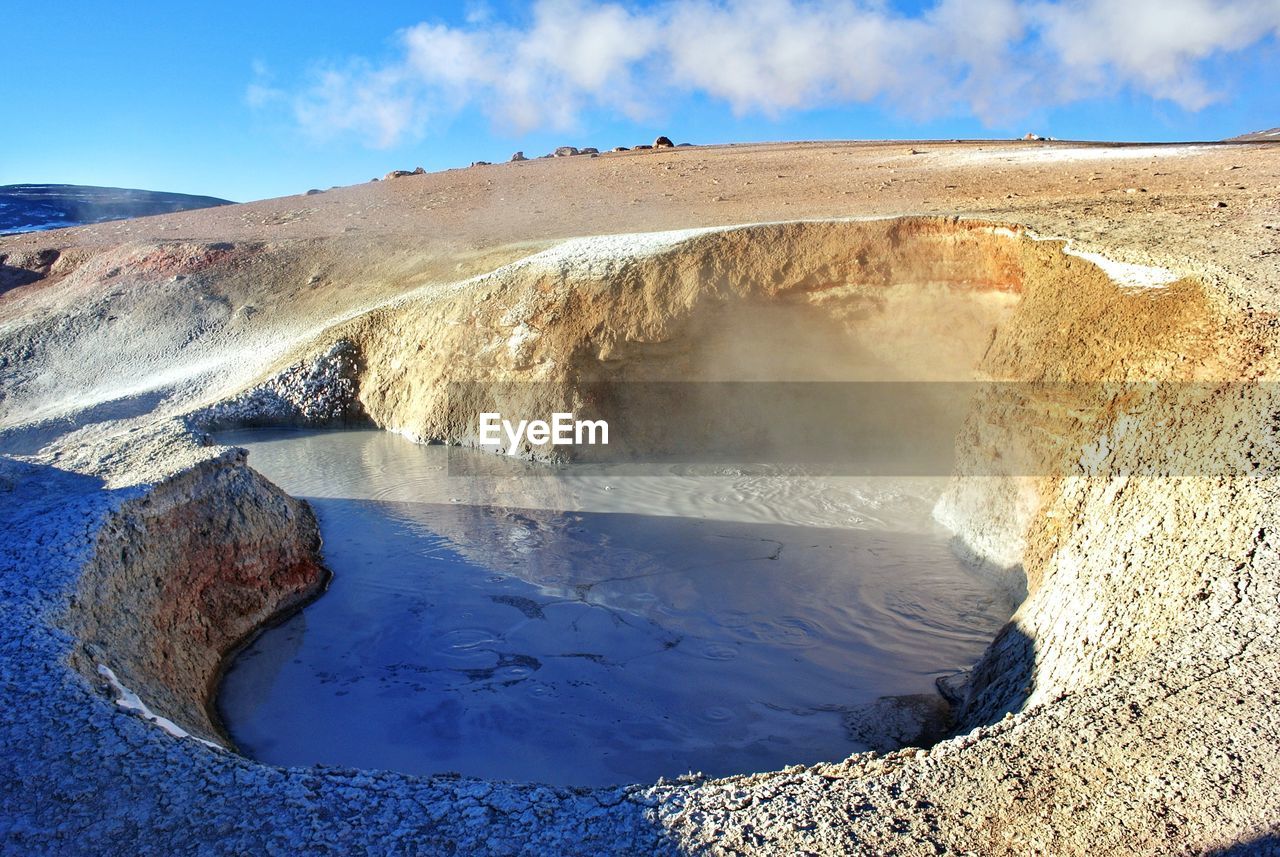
<point x="581" y="627"/>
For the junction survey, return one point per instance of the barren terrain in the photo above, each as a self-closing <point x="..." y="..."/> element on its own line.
<point x="1130" y="706"/>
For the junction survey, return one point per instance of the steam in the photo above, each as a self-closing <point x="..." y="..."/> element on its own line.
<point x="993" y="59"/>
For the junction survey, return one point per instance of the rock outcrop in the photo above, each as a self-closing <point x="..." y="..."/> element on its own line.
<point x="320" y="392"/>
<point x="184" y="574"/>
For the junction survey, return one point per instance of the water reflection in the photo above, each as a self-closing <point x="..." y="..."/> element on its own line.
<point x="505" y="628"/>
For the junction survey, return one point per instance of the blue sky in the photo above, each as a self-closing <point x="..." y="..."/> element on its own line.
<point x="250" y="100"/>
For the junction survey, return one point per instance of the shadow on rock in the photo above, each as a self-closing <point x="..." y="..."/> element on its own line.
<point x="12" y="277"/>
<point x="999" y="684"/>
<point x="31" y="438"/>
<point x="1265" y="845"/>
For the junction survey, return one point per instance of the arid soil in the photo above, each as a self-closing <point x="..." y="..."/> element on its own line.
<point x="1130" y="706"/>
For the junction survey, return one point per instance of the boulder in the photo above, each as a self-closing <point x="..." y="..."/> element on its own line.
<point x="621" y="149"/>
<point x="663" y="143"/>
<point x="479" y="163"/>
<point x="397" y="174"/>
<point x="643" y="146"/>
<point x="419" y="171"/>
<point x="519" y="156"/>
<point x="565" y="151"/>
<point x="589" y="150"/>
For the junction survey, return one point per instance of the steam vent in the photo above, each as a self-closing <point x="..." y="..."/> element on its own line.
<point x="1101" y="321"/>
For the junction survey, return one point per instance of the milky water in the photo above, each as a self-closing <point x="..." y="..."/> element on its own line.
<point x="595" y="629"/>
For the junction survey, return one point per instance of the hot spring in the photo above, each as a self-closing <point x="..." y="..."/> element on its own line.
<point x="580" y="626"/>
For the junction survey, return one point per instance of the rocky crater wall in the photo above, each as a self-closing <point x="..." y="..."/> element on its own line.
<point x="917" y="300"/>
<point x="1145" y="585"/>
<point x="180" y="576"/>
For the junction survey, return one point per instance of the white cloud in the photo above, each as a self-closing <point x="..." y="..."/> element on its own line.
<point x="1151" y="45"/>
<point x="384" y="106"/>
<point x="260" y="92"/>
<point x="478" y="12"/>
<point x="258" y="95"/>
<point x="995" y="59"/>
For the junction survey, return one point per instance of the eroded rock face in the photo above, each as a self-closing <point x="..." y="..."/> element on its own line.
<point x="183" y="574"/>
<point x="828" y="301"/>
<point x="317" y="392"/>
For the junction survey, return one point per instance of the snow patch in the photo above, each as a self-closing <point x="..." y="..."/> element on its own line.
<point x="1061" y="153"/>
<point x="129" y="701"/>
<point x="1126" y="273"/>
<point x="600" y="248"/>
<point x="617" y="247"/>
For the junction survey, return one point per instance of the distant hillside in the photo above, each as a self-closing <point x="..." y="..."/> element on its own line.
<point x="1258" y="136"/>
<point x="30" y="207"/>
